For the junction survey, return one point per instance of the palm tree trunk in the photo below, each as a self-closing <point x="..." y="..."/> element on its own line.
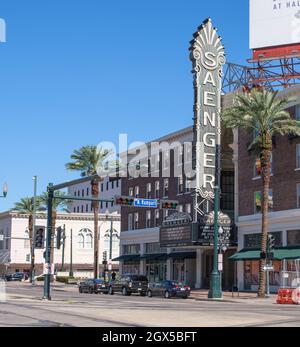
<point x="265" y="165"/>
<point x="95" y="204"/>
<point x="30" y="229"/>
<point x="52" y="247"/>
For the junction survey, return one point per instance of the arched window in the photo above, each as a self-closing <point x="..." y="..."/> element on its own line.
<point x="85" y="239"/>
<point x="80" y="241"/>
<point x="89" y="241"/>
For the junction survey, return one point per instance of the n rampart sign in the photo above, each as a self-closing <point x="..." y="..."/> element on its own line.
<point x="208" y="57"/>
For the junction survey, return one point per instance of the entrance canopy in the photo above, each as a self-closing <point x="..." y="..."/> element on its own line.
<point x="279" y="254"/>
<point x="127" y="257"/>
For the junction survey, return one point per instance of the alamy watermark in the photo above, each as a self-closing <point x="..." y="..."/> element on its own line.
<point x="154" y="159"/>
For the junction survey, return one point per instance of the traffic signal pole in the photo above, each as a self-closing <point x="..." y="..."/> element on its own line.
<point x="51" y="190"/>
<point x="47" y="279"/>
<point x="32" y="267"/>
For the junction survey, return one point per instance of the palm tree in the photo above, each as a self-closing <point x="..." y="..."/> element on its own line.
<point x="89" y="160"/>
<point x="57" y="205"/>
<point x="262" y="113"/>
<point x="26" y="206"/>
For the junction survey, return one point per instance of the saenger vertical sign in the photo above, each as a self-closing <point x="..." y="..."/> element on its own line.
<point x="208" y="58"/>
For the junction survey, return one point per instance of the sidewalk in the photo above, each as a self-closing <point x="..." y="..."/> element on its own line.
<point x="241" y="297"/>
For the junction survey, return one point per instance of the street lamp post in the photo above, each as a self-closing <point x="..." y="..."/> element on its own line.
<point x="111" y="234"/>
<point x="32" y="272"/>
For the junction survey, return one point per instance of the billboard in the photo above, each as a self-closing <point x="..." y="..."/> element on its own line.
<point x="274" y="23"/>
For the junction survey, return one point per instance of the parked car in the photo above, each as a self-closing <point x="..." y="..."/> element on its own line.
<point x="129" y="284"/>
<point x="168" y="289"/>
<point x="93" y="286"/>
<point x="18" y="276"/>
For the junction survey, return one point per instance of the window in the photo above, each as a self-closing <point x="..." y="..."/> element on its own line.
<point x="112" y="184"/>
<point x="101" y="205"/>
<point x="166" y="213"/>
<point x="148" y="190"/>
<point x="227" y="188"/>
<point x="131" y="249"/>
<point x="293" y="237"/>
<point x="130" y="222"/>
<point x="89" y="241"/>
<point x="80" y="241"/>
<point x="2" y="241"/>
<point x="254" y="240"/>
<point x="117" y="183"/>
<point x="82" y="192"/>
<point x="102" y="187"/>
<point x="7" y="239"/>
<point x="180" y="208"/>
<point x="148" y="219"/>
<point x="86" y="208"/>
<point x="166" y="187"/>
<point x="258" y="201"/>
<point x="74" y="209"/>
<point x="180" y="185"/>
<point x="107" y="185"/>
<point x="130" y="191"/>
<point x="87" y="191"/>
<point x="188" y="185"/>
<point x="166" y="159"/>
<point x="188" y="208"/>
<point x="85" y="239"/>
<point x="298" y="195"/>
<point x="157" y="189"/>
<point x="75" y="193"/>
<point x="82" y="209"/>
<point x="77" y="209"/>
<point x="78" y="193"/>
<point x="156" y="218"/>
<point x="136" y="220"/>
<point x="154" y="247"/>
<point x="112" y="204"/>
<point x="297" y="113"/>
<point x="298" y="156"/>
<point x="106" y="204"/>
<point x="136" y="191"/>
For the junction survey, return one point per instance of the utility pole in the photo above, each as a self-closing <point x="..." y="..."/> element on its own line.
<point x="71" y="274"/>
<point x="32" y="268"/>
<point x="63" y="249"/>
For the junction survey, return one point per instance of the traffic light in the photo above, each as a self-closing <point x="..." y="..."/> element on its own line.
<point x="271" y="245"/>
<point x="124" y="200"/>
<point x="104" y="262"/>
<point x="59" y="235"/>
<point x="169" y="204"/>
<point x="39" y="237"/>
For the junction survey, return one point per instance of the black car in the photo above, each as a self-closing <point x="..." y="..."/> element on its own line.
<point x="129" y="284"/>
<point x="168" y="289"/>
<point x="18" y="276"/>
<point x="93" y="286"/>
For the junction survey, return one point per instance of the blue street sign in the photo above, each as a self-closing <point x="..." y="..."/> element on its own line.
<point x="151" y="203"/>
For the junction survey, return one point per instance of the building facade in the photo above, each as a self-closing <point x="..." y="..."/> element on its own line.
<point x="140" y="247"/>
<point x="284" y="201"/>
<point x="78" y="249"/>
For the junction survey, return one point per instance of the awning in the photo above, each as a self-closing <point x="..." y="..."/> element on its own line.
<point x="154" y="256"/>
<point x="127" y="257"/>
<point x="182" y="255"/>
<point x="292" y="252"/>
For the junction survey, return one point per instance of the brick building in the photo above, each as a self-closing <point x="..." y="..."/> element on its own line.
<point x="284" y="200"/>
<point x="140" y="247"/>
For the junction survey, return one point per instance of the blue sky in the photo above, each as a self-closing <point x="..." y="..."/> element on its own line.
<point x="81" y="72"/>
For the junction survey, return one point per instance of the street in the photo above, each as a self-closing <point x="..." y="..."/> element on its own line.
<point x="24" y="308"/>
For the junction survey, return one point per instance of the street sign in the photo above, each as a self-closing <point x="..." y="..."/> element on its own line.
<point x="268" y="268"/>
<point x="150" y="203"/>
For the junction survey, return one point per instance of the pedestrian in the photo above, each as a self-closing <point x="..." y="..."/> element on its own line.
<point x="113" y="276"/>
